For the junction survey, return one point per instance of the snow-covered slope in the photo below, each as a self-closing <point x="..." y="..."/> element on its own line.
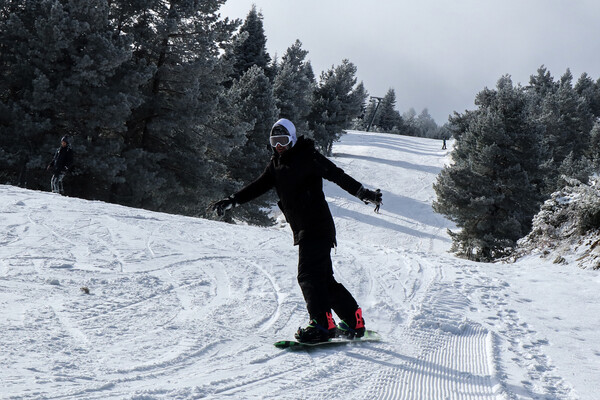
<point x="184" y="308"/>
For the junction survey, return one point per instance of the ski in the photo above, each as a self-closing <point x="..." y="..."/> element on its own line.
<point x="369" y="336"/>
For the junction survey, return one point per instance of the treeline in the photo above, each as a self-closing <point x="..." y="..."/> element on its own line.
<point x="168" y="104"/>
<point x="520" y="144"/>
<point x="381" y="115"/>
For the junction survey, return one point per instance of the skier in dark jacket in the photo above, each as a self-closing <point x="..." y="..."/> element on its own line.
<point x="60" y="165"/>
<point x="296" y="171"/>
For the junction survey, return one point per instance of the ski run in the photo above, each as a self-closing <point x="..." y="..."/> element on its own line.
<point x="187" y="308"/>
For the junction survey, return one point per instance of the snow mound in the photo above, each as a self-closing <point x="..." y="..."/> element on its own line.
<point x="567" y="228"/>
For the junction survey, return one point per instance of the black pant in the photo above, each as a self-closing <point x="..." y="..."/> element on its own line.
<point x="321" y="291"/>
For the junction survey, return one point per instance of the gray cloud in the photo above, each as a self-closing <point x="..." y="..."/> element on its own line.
<point x="436" y="54"/>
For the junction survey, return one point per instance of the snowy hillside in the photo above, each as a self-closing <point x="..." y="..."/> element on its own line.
<point x="184" y="308"/>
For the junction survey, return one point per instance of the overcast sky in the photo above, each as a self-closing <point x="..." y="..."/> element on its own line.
<point x="435" y="54"/>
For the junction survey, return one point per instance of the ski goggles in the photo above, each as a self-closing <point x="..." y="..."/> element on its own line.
<point x="282" y="140"/>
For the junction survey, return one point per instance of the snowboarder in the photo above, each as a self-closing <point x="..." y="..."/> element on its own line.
<point x="60" y="165"/>
<point x="296" y="171"/>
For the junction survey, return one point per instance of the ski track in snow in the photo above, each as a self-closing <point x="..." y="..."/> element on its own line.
<point x="182" y="308"/>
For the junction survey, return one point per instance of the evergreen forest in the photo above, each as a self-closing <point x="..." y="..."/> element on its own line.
<point x="168" y="107"/>
<point x="519" y="146"/>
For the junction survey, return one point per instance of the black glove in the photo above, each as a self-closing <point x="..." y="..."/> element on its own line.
<point x="369" y="196"/>
<point x="223" y="205"/>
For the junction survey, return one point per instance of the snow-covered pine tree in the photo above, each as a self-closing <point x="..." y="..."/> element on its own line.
<point x="368" y="115"/>
<point x="491" y="189"/>
<point x="410" y="123"/>
<point x="21" y="126"/>
<point x="250" y="46"/>
<point x="65" y="72"/>
<point x="577" y="120"/>
<point x="594" y="150"/>
<point x="426" y="125"/>
<point x="253" y="96"/>
<point x="567" y="120"/>
<point x="541" y="85"/>
<point x="589" y="91"/>
<point x="388" y="119"/>
<point x="293" y="87"/>
<point x="578" y="168"/>
<point x="179" y="138"/>
<point x="337" y="100"/>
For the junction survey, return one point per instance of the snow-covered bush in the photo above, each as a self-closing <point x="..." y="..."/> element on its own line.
<point x="568" y="225"/>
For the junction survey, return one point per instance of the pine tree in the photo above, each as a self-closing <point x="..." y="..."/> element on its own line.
<point x="491" y="189"/>
<point x="177" y="142"/>
<point x="410" y="123"/>
<point x="542" y="84"/>
<point x="360" y="95"/>
<point x="66" y="74"/>
<point x="426" y="125"/>
<point x="572" y="167"/>
<point x="368" y="116"/>
<point x="388" y="118"/>
<point x="567" y="120"/>
<point x="336" y="102"/>
<point x="293" y="87"/>
<point x="255" y="104"/>
<point x="594" y="151"/>
<point x="251" y="46"/>
<point x="589" y="91"/>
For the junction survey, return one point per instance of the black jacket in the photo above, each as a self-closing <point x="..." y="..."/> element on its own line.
<point x="297" y="176"/>
<point x="63" y="159"/>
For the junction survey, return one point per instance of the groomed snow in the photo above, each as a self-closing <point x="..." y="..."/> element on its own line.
<point x="185" y="308"/>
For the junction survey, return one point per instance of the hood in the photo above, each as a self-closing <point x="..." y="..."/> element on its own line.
<point x="289" y="126"/>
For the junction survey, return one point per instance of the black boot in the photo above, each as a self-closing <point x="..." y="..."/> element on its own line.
<point x="316" y="332"/>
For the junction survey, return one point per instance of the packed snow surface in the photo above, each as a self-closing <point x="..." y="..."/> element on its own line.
<point x="185" y="308"/>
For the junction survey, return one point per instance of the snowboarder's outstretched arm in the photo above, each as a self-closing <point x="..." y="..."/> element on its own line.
<point x="335" y="174"/>
<point x="254" y="189"/>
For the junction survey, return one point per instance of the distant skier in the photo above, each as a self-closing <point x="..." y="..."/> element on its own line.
<point x="60" y="165"/>
<point x="377" y="205"/>
<point x="444" y="144"/>
<point x="296" y="171"/>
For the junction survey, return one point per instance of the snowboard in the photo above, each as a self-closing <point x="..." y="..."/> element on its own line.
<point x="369" y="336"/>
